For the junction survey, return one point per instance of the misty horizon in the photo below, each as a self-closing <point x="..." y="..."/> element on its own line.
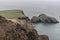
<point x="17" y="4"/>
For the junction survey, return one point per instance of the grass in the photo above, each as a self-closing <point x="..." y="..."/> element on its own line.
<point x="11" y="13"/>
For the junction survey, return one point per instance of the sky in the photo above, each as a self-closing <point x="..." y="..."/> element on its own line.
<point x="7" y="4"/>
<point x="23" y="1"/>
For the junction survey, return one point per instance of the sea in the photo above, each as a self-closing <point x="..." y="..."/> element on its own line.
<point x="50" y="9"/>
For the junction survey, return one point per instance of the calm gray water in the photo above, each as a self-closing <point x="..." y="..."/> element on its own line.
<point x="52" y="30"/>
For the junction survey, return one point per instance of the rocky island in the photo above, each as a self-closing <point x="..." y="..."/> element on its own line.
<point x="44" y="19"/>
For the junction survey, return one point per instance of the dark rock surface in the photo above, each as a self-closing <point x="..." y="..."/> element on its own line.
<point x="44" y="37"/>
<point x="44" y="19"/>
<point x="35" y="19"/>
<point x="24" y="17"/>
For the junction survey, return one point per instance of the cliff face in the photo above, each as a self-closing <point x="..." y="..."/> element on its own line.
<point x="17" y="29"/>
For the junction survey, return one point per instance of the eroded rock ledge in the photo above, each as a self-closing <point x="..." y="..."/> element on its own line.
<point x="18" y="29"/>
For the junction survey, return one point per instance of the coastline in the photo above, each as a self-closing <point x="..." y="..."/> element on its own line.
<point x="21" y="27"/>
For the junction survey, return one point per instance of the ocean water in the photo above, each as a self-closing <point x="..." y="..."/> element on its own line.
<point x="53" y="10"/>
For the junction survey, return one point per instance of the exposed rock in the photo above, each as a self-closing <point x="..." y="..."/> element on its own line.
<point x="44" y="37"/>
<point x="19" y="30"/>
<point x="44" y="19"/>
<point x="22" y="12"/>
<point x="35" y="19"/>
<point x="24" y="17"/>
<point x="47" y="19"/>
<point x="2" y="19"/>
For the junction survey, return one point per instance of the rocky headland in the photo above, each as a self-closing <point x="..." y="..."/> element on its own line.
<point x="19" y="29"/>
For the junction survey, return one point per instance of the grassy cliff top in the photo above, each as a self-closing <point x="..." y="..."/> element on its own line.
<point x="11" y="13"/>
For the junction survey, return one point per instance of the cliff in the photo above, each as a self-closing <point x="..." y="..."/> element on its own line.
<point x="18" y="29"/>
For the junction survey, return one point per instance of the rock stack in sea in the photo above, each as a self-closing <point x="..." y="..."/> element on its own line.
<point x="44" y="19"/>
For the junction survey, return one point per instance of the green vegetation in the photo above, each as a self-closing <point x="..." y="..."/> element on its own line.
<point x="11" y="13"/>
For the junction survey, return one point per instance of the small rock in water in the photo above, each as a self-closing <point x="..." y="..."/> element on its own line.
<point x="44" y="19"/>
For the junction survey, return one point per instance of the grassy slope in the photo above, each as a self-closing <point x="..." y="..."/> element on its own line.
<point x="11" y="13"/>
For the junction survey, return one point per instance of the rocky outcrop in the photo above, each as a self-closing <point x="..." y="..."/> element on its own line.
<point x="44" y="19"/>
<point x="24" y="17"/>
<point x="35" y="19"/>
<point x="43" y="37"/>
<point x="18" y="29"/>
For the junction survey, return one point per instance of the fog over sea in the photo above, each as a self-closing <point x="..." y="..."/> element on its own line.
<point x="34" y="8"/>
